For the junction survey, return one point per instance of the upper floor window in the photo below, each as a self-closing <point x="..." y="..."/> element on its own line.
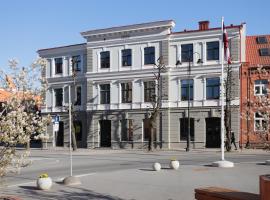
<point x="126" y="57"/>
<point x="105" y="59"/>
<point x="58" y="97"/>
<point x="264" y="52"/>
<point x="212" y="88"/>
<point x="76" y="63"/>
<point x="126" y="130"/>
<point x="149" y="91"/>
<point x="260" y="122"/>
<point x="105" y="94"/>
<point x="212" y="50"/>
<point x="187" y="52"/>
<point x="126" y="91"/>
<point x="149" y="55"/>
<point x="260" y="87"/>
<point x="58" y="65"/>
<point x="261" y="40"/>
<point x="78" y="96"/>
<point x="186" y="89"/>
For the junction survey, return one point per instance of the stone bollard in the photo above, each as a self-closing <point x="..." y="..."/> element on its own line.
<point x="265" y="187"/>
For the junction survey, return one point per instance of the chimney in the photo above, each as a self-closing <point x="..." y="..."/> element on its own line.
<point x="203" y="25"/>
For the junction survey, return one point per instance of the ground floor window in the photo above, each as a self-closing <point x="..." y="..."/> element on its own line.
<point x="184" y="129"/>
<point x="78" y="130"/>
<point x="147" y="130"/>
<point x="260" y="122"/>
<point x="126" y="130"/>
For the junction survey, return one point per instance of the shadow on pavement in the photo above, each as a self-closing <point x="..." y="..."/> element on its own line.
<point x="67" y="193"/>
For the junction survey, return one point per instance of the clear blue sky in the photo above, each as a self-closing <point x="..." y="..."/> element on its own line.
<point x="29" y="25"/>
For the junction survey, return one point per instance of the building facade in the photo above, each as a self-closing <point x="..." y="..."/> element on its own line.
<point x="255" y="92"/>
<point x="114" y="83"/>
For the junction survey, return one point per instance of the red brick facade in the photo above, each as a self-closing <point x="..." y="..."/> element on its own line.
<point x="255" y="95"/>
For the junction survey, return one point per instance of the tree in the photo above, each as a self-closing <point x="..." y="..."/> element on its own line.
<point x="228" y="83"/>
<point x="19" y="118"/>
<point x="156" y="101"/>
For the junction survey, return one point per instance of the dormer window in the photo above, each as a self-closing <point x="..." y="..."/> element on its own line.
<point x="58" y="65"/>
<point x="264" y="52"/>
<point x="261" y="40"/>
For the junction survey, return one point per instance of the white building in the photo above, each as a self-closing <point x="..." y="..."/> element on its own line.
<point x="114" y="82"/>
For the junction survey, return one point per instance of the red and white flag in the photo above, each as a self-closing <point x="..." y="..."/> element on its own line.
<point x="227" y="55"/>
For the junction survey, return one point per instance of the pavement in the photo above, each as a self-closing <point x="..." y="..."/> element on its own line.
<point x="128" y="174"/>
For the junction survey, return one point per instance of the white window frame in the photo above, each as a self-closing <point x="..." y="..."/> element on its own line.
<point x="260" y="119"/>
<point x="261" y="86"/>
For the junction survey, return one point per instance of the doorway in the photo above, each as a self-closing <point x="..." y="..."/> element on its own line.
<point x="105" y="133"/>
<point x="213" y="132"/>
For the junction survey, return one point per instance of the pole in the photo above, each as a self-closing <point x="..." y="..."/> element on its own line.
<point x="222" y="92"/>
<point x="188" y="135"/>
<point x="70" y="142"/>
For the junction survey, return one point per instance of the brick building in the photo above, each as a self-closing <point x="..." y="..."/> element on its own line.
<point x="255" y="101"/>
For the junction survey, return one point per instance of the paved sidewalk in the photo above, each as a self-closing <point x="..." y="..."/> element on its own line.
<point x="144" y="184"/>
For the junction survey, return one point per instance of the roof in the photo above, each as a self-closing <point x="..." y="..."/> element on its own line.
<point x="73" y="45"/>
<point x="209" y="29"/>
<point x="252" y="50"/>
<point x="164" y="23"/>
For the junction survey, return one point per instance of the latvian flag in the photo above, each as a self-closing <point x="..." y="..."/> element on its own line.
<point x="227" y="55"/>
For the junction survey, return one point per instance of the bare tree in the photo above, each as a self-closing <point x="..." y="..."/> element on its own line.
<point x="156" y="101"/>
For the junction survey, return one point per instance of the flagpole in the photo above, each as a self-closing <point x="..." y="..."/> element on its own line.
<point x="222" y="90"/>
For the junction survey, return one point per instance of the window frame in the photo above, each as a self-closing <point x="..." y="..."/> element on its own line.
<point x="149" y="91"/>
<point x="126" y="92"/>
<point x="107" y="92"/>
<point x="78" y="67"/>
<point x="149" y="56"/>
<point x="186" y="89"/>
<point x="127" y="131"/>
<point x="261" y="86"/>
<point x="264" y="51"/>
<point x="58" y="66"/>
<point x="184" y="129"/>
<point x="126" y="57"/>
<point x="58" y="103"/>
<point x="260" y="120"/>
<point x="214" y="56"/>
<point x="261" y="40"/>
<point x="78" y="102"/>
<point x="212" y="87"/>
<point x="105" y="57"/>
<point x="188" y="52"/>
<point x="78" y="136"/>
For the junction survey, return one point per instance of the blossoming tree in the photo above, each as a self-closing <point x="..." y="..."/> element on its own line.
<point x="19" y="116"/>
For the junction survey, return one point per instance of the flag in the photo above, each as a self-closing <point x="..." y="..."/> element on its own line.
<point x="227" y="55"/>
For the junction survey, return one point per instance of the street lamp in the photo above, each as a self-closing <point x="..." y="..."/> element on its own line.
<point x="190" y="59"/>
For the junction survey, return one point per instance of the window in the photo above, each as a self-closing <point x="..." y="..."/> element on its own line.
<point x="126" y="130"/>
<point x="264" y="52"/>
<point x="126" y="89"/>
<point x="105" y="94"/>
<point x="187" y="52"/>
<point x="261" y="40"/>
<point x="78" y="130"/>
<point x="78" y="96"/>
<point x="149" y="91"/>
<point x="105" y="59"/>
<point x="58" y="97"/>
<point x="212" y="50"/>
<point x="147" y="130"/>
<point x="184" y="129"/>
<point x="212" y="88"/>
<point x="76" y="63"/>
<point x="58" y="65"/>
<point x="126" y="57"/>
<point x="260" y="87"/>
<point x="149" y="55"/>
<point x="260" y="122"/>
<point x="185" y="90"/>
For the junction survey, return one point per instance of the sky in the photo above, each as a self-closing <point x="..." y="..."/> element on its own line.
<point x="29" y="25"/>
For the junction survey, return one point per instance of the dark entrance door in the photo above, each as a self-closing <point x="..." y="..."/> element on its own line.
<point x="60" y="135"/>
<point x="105" y="133"/>
<point x="213" y="132"/>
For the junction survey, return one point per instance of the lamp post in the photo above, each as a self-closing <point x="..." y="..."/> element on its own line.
<point x="190" y="59"/>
